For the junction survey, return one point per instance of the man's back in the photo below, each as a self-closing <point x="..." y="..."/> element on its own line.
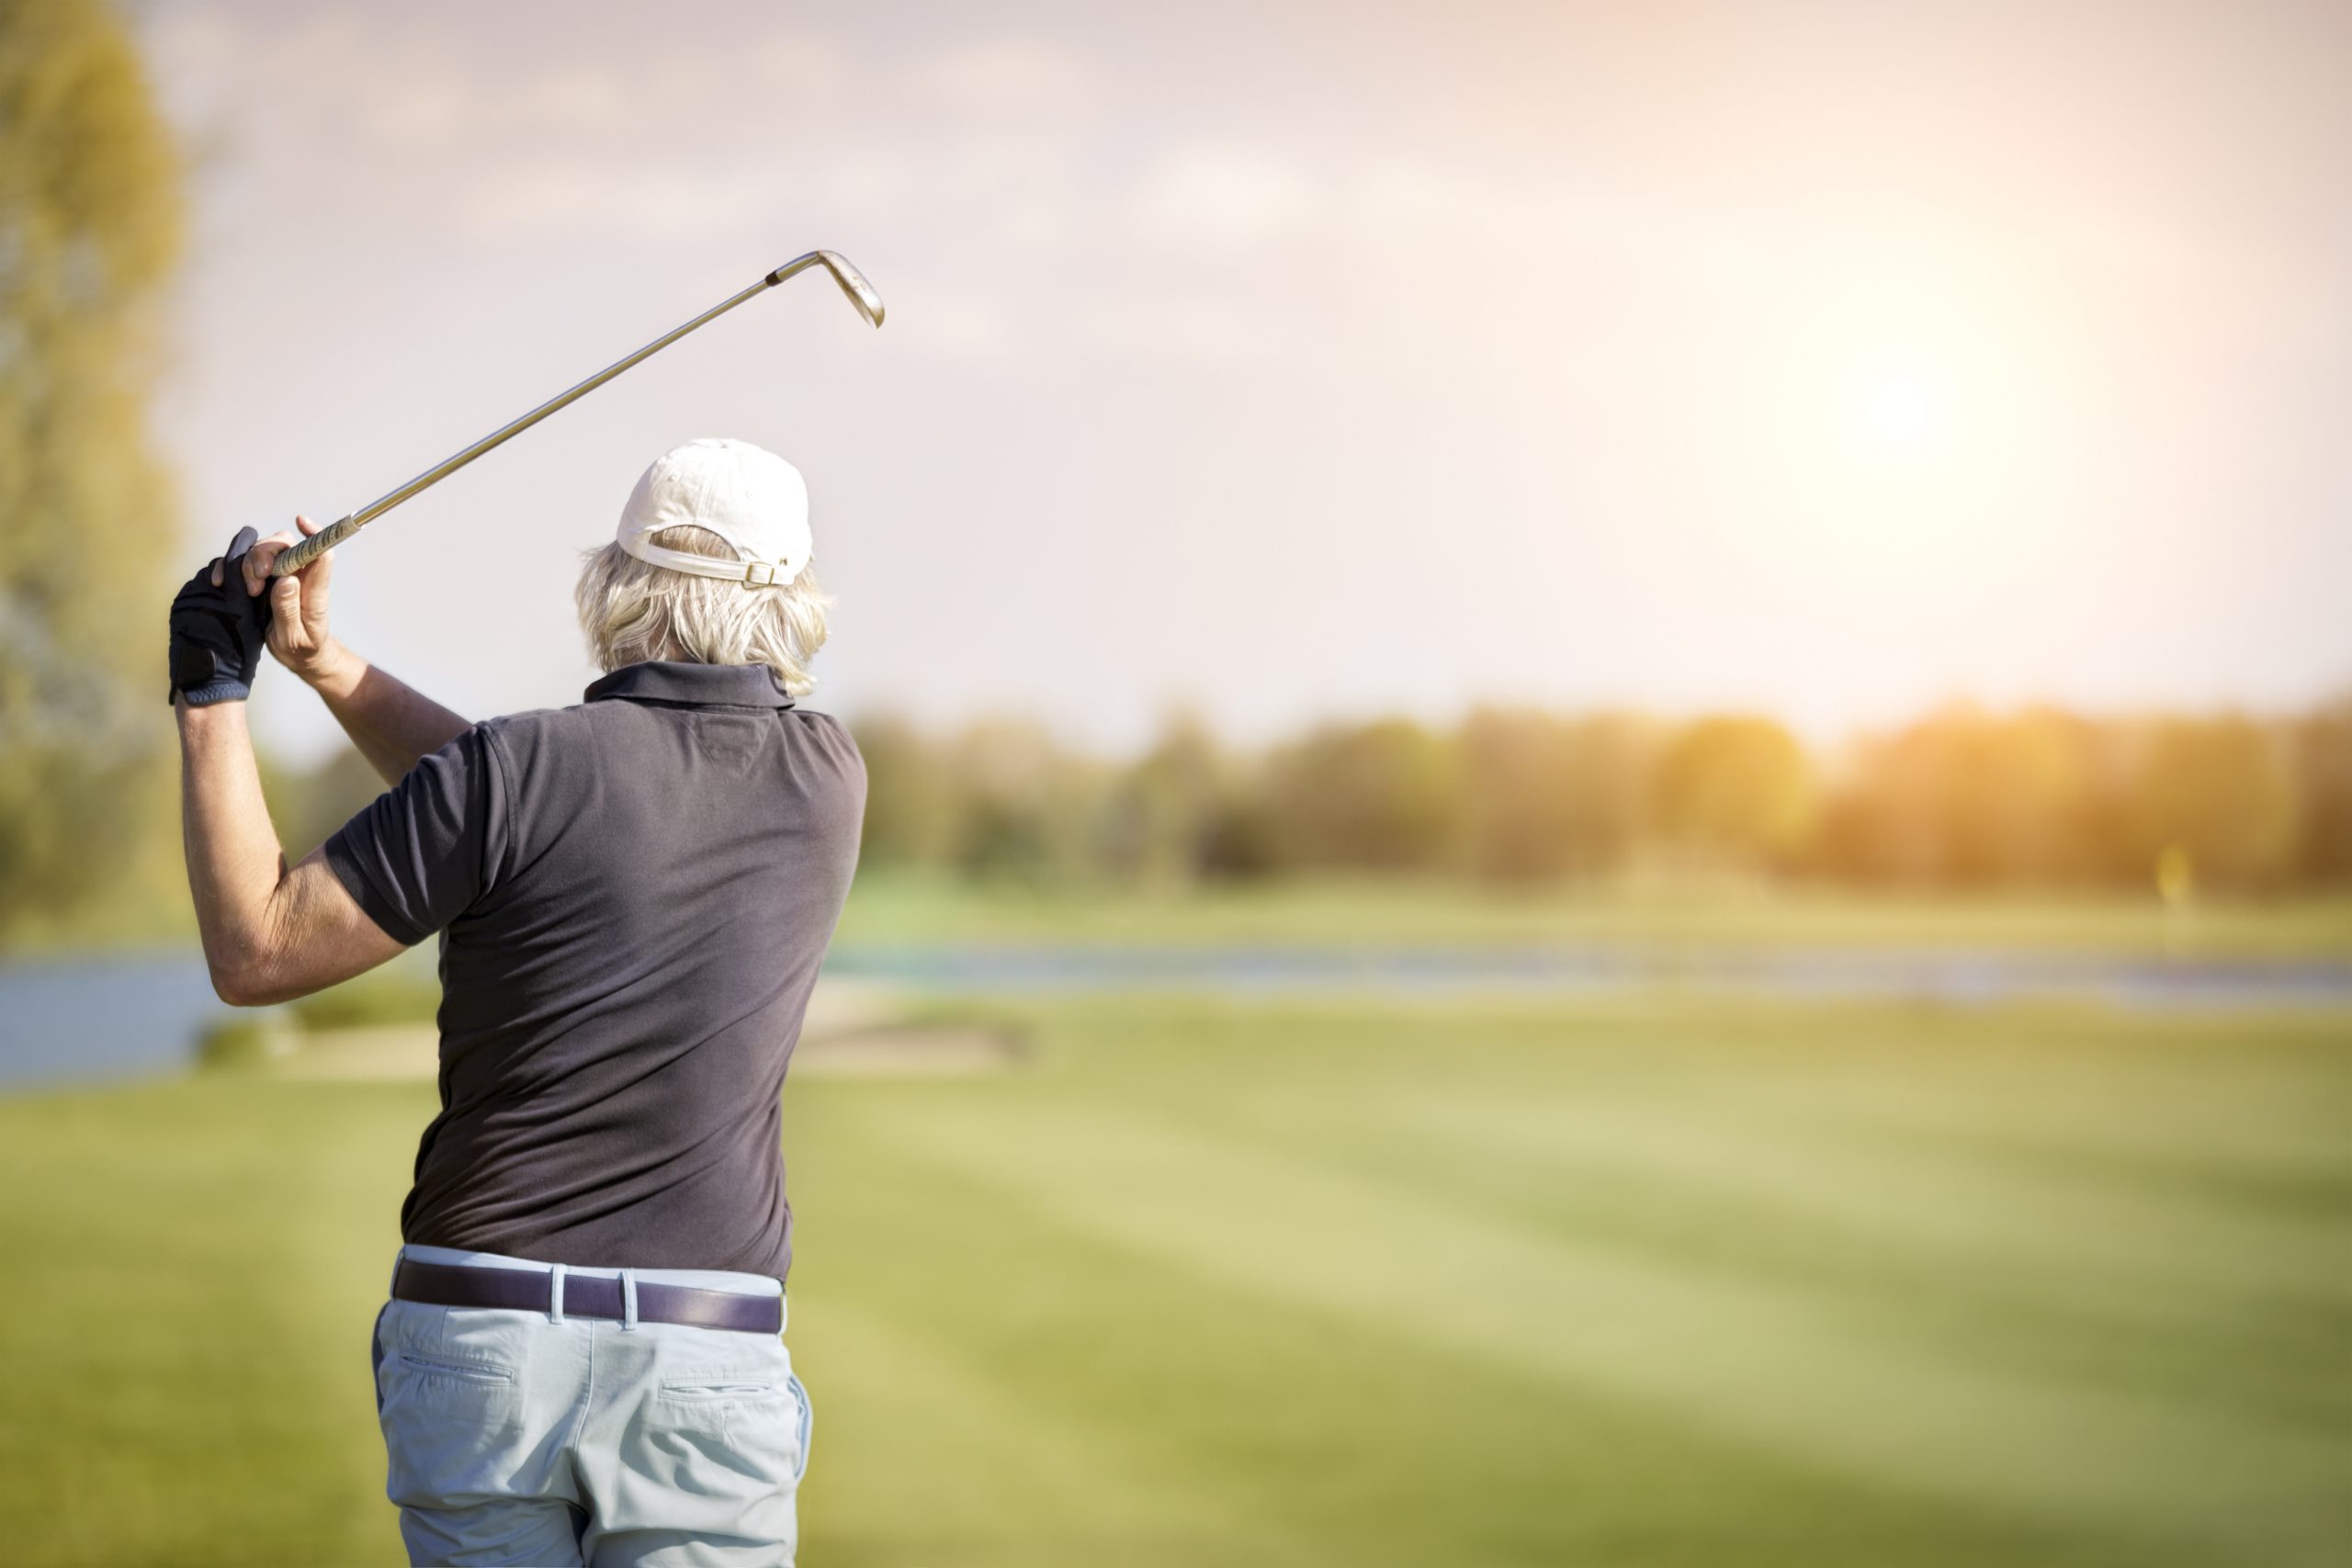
<point x="635" y="895"/>
<point x="581" y="1358"/>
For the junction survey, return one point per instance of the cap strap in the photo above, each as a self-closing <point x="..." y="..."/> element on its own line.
<point x="749" y="573"/>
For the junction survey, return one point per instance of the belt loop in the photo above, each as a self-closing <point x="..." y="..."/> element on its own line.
<point x="629" y="1300"/>
<point x="400" y="1256"/>
<point x="554" y="1293"/>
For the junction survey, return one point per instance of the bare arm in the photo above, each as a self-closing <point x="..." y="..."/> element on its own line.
<point x="270" y="933"/>
<point x="390" y="722"/>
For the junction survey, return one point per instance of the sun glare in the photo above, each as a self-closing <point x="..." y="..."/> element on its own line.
<point x="1900" y="411"/>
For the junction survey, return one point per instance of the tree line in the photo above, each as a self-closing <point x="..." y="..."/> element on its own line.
<point x="1963" y="798"/>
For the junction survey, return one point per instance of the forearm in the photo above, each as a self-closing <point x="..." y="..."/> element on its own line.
<point x="234" y="865"/>
<point x="390" y="722"/>
<point x="271" y="934"/>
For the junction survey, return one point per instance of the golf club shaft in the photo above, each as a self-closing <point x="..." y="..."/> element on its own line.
<point x="296" y="556"/>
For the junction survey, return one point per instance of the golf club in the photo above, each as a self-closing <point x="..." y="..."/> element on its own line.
<point x="853" y="283"/>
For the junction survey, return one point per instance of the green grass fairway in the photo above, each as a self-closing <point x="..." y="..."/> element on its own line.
<point x="899" y="907"/>
<point x="1244" y="1284"/>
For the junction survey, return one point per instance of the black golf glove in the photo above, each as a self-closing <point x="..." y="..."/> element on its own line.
<point x="218" y="633"/>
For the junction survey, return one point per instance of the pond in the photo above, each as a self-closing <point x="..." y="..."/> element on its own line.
<point x="80" y="1020"/>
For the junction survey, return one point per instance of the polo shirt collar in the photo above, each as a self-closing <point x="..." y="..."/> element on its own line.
<point x="694" y="685"/>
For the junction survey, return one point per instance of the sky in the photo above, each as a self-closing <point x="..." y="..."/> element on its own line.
<point x="1312" y="360"/>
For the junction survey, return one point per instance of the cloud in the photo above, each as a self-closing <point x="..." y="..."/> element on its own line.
<point x="388" y="84"/>
<point x="1201" y="329"/>
<point x="628" y="202"/>
<point x="1223" y="198"/>
<point x="960" y="324"/>
<point x="1006" y="77"/>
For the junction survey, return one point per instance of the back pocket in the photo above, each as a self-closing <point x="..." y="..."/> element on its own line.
<point x="436" y="1370"/>
<point x="452" y="1426"/>
<point x="745" y="1423"/>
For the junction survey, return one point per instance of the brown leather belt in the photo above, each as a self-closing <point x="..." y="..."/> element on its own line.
<point x="585" y="1295"/>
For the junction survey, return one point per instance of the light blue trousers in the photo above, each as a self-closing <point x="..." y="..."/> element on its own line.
<point x="533" y="1437"/>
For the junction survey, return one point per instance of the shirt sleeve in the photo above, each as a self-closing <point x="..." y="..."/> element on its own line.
<point x="424" y="850"/>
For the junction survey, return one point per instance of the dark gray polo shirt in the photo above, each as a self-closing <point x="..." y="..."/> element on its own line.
<point x="633" y="897"/>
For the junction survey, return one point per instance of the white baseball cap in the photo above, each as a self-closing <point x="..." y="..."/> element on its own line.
<point x="745" y="495"/>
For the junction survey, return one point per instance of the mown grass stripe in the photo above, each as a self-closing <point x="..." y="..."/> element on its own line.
<point x="1777" y="1367"/>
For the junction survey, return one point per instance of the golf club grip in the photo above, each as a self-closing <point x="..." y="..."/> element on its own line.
<point x="294" y="557"/>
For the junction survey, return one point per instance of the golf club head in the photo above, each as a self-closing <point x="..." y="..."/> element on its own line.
<point x="861" y="293"/>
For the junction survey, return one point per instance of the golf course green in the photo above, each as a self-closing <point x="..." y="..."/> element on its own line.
<point x="1335" y="1282"/>
<point x="895" y="906"/>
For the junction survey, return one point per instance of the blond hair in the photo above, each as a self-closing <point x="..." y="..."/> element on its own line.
<point x="631" y="612"/>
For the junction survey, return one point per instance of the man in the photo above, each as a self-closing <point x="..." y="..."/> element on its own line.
<point x="581" y="1361"/>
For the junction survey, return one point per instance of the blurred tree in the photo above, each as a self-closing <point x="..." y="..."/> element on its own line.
<point x="1545" y="796"/>
<point x="90" y="223"/>
<point x="1736" y="788"/>
<point x="1517" y="808"/>
<point x="1242" y="841"/>
<point x="1165" y="812"/>
<point x="1970" y="798"/>
<point x="2039" y="798"/>
<point x="2222" y="789"/>
<point x="2323" y="778"/>
<point x="1026" y="808"/>
<point x="1612" y="771"/>
<point x="308" y="804"/>
<point x="1380" y="797"/>
<point x="910" y="807"/>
